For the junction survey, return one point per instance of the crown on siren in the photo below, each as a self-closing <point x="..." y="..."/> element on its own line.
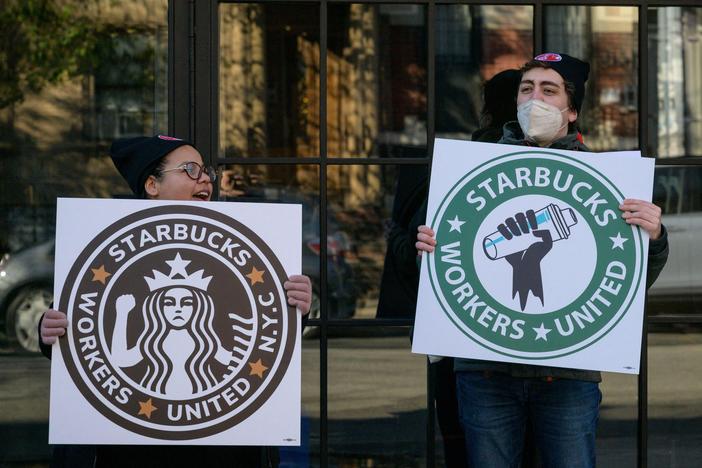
<point x="178" y="276"/>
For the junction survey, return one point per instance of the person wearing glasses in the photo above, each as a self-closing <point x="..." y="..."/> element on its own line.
<point x="164" y="168"/>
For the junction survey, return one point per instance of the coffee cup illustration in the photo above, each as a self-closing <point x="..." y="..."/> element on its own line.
<point x="552" y="218"/>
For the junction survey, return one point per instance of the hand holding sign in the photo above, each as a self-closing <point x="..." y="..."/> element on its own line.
<point x="425" y="239"/>
<point x="52" y="326"/>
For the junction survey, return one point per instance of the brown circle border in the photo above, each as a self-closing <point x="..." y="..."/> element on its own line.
<point x="213" y="429"/>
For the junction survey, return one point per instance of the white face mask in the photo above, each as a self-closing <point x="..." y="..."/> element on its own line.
<point x="540" y="122"/>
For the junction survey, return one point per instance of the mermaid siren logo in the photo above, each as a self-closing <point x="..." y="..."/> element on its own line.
<point x="179" y="363"/>
<point x="179" y="325"/>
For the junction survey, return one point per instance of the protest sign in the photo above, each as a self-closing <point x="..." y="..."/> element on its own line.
<point x="179" y="328"/>
<point x="533" y="262"/>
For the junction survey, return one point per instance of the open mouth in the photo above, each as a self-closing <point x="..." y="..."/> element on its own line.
<point x="203" y="195"/>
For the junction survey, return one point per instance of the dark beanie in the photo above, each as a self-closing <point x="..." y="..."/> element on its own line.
<point x="571" y="69"/>
<point x="134" y="157"/>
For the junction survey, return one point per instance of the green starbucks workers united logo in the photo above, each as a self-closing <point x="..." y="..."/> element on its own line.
<point x="533" y="259"/>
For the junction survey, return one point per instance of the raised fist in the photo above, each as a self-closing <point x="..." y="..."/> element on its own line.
<point x="526" y="264"/>
<point x="125" y="303"/>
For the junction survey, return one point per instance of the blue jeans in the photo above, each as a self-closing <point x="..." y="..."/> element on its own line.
<point x="495" y="408"/>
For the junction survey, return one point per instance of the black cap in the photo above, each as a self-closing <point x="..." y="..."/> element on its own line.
<point x="499" y="96"/>
<point x="571" y="69"/>
<point x="134" y="157"/>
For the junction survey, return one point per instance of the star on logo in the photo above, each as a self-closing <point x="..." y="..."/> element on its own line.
<point x="99" y="274"/>
<point x="455" y="224"/>
<point x="618" y="242"/>
<point x="541" y="332"/>
<point x="146" y="408"/>
<point x="257" y="368"/>
<point x="256" y="276"/>
<point x="178" y="266"/>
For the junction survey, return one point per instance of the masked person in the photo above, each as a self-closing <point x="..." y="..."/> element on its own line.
<point x="165" y="168"/>
<point x="562" y="405"/>
<point x="401" y="270"/>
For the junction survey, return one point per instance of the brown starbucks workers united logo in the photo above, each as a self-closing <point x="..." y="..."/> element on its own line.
<point x="179" y="325"/>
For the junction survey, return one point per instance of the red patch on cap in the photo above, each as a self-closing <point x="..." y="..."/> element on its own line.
<point x="170" y="138"/>
<point x="550" y="57"/>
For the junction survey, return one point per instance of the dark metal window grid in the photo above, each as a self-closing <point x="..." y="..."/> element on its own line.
<point x="193" y="114"/>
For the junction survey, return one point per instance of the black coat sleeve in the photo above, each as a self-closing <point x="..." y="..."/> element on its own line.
<point x="44" y="348"/>
<point x="657" y="257"/>
<point x="401" y="240"/>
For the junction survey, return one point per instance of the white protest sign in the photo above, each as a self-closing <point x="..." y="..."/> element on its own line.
<point x="179" y="328"/>
<point x="533" y="262"/>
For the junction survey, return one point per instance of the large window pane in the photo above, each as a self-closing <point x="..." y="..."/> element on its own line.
<point x="377" y="80"/>
<point x="675" y="397"/>
<point x="473" y="43"/>
<point x="269" y="79"/>
<point x="364" y="278"/>
<point x="675" y="74"/>
<point x="607" y="38"/>
<point x="377" y="400"/>
<point x="678" y="290"/>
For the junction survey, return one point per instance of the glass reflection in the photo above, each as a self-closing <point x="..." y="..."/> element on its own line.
<point x="675" y="397"/>
<point x="56" y="132"/>
<point x="607" y="38"/>
<point x="473" y="43"/>
<point x="678" y="290"/>
<point x="268" y="79"/>
<point x="377" y="399"/>
<point x="364" y="202"/>
<point x="675" y="74"/>
<point x="377" y="83"/>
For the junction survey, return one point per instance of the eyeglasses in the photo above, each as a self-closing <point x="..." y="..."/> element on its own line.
<point x="194" y="170"/>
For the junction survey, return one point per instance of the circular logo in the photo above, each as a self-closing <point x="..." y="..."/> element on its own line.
<point x="179" y="324"/>
<point x="533" y="259"/>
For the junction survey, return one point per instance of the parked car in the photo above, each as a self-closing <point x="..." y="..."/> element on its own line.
<point x="26" y="291"/>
